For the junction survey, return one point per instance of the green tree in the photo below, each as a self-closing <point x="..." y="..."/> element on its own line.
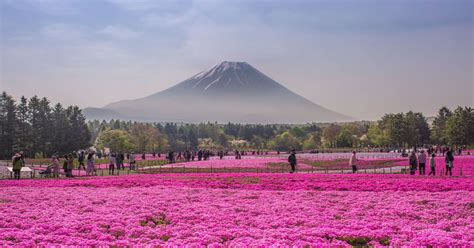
<point x="394" y="129"/>
<point x="345" y="138"/>
<point x="286" y="141"/>
<point x="24" y="127"/>
<point x="8" y="125"/>
<point x="330" y="134"/>
<point x="312" y="142"/>
<point x="78" y="134"/>
<point x="61" y="127"/>
<point x="376" y="136"/>
<point x="460" y="127"/>
<point x="116" y="140"/>
<point x="438" y="129"/>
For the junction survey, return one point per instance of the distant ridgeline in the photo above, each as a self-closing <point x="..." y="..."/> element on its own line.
<point x="37" y="128"/>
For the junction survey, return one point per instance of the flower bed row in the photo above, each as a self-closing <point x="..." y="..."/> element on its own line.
<point x="222" y="210"/>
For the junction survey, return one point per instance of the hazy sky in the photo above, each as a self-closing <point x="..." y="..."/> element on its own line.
<point x="360" y="58"/>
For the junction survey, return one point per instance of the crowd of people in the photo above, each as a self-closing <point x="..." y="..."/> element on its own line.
<point x="417" y="160"/>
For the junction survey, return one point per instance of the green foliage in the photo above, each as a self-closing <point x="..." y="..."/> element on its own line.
<point x="403" y="130"/>
<point x="37" y="129"/>
<point x="345" y="138"/>
<point x="438" y="129"/>
<point x="460" y="127"/>
<point x="312" y="142"/>
<point x="376" y="136"/>
<point x="285" y="142"/>
<point x="116" y="140"/>
<point x="330" y="134"/>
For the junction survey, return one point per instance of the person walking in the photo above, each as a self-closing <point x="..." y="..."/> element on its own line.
<point x="449" y="162"/>
<point x="90" y="163"/>
<point x="80" y="159"/>
<point x="69" y="165"/>
<point x="171" y="157"/>
<point x="112" y="162"/>
<point x="199" y="155"/>
<point x="131" y="161"/>
<point x="413" y="161"/>
<point x="56" y="166"/>
<point x="421" y="162"/>
<point x="65" y="165"/>
<point x="353" y="162"/>
<point x="432" y="165"/>
<point x="17" y="163"/>
<point x="122" y="159"/>
<point x="292" y="161"/>
<point x="118" y="160"/>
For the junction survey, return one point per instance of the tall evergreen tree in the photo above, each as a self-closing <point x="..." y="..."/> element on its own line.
<point x="8" y="125"/>
<point x="24" y="127"/>
<point x="438" y="129"/>
<point x="78" y="134"/>
<point x="61" y="126"/>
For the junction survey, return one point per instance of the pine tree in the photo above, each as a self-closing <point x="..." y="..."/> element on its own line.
<point x="438" y="129"/>
<point x="24" y="127"/>
<point x="78" y="135"/>
<point x="8" y="126"/>
<point x="61" y="127"/>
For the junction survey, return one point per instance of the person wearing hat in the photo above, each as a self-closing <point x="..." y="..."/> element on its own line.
<point x="292" y="161"/>
<point x="17" y="163"/>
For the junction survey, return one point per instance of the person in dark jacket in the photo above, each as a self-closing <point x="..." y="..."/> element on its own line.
<point x="292" y="161"/>
<point x="199" y="155"/>
<point x="112" y="161"/>
<point x="449" y="162"/>
<point x="80" y="159"/>
<point x="17" y="163"/>
<point x="413" y="161"/>
<point x="120" y="157"/>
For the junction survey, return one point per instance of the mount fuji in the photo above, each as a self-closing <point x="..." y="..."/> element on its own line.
<point x="228" y="92"/>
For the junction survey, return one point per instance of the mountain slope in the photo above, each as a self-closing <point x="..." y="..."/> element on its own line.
<point x="229" y="91"/>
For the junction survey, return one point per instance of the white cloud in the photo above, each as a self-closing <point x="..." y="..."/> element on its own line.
<point x="120" y="32"/>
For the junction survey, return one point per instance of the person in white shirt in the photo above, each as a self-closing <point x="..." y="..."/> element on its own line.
<point x="353" y="162"/>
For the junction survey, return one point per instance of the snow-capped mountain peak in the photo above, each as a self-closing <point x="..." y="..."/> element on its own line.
<point x="228" y="91"/>
<point x="228" y="76"/>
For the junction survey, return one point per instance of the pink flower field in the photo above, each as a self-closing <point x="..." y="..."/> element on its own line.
<point x="221" y="210"/>
<point x="233" y="163"/>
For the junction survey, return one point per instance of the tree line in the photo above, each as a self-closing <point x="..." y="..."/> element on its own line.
<point x="40" y="129"/>
<point x="392" y="131"/>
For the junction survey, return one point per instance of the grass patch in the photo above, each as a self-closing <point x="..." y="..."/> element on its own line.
<point x="356" y="241"/>
<point x="158" y="220"/>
